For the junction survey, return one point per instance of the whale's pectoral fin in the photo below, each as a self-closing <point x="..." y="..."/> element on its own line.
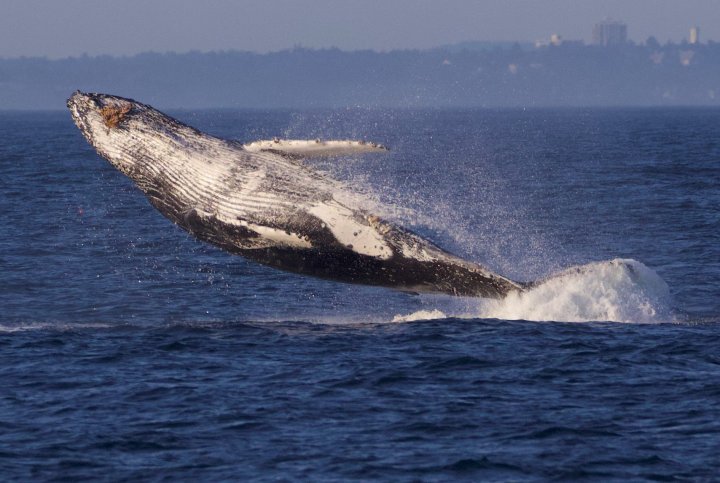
<point x="301" y="148"/>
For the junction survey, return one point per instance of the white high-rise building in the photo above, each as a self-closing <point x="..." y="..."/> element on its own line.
<point x="694" y="35"/>
<point x="609" y="32"/>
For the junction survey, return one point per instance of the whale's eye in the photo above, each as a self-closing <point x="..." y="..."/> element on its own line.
<point x="113" y="115"/>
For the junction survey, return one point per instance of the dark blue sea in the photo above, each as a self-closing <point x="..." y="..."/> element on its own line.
<point x="131" y="351"/>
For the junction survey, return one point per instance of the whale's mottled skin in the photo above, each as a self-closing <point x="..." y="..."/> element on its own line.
<point x="266" y="205"/>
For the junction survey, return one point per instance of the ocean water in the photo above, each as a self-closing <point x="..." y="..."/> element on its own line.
<point x="128" y="350"/>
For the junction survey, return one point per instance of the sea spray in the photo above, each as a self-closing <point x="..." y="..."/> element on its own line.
<point x="497" y="231"/>
<point x="619" y="290"/>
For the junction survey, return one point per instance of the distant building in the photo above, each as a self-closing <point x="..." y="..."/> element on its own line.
<point x="694" y="35"/>
<point x="556" y="40"/>
<point x="609" y="32"/>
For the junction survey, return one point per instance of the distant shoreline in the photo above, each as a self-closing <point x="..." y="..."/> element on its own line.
<point x="572" y="75"/>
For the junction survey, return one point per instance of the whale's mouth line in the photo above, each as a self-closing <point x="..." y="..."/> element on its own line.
<point x="79" y="112"/>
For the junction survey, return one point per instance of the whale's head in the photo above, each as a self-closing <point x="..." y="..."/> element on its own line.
<point x="110" y="124"/>
<point x="122" y="130"/>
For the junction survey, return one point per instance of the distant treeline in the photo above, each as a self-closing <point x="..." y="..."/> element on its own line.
<point x="564" y="75"/>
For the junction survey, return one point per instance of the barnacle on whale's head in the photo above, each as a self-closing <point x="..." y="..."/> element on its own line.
<point x="114" y="114"/>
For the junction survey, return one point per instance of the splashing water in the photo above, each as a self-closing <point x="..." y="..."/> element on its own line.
<point x="620" y="290"/>
<point x="617" y="290"/>
<point x="420" y="315"/>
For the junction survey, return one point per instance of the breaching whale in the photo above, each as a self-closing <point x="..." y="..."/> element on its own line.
<point x="261" y="201"/>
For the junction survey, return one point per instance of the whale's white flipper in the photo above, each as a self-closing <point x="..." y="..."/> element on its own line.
<point x="314" y="148"/>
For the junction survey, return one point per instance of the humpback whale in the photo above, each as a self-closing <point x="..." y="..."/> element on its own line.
<point x="264" y="202"/>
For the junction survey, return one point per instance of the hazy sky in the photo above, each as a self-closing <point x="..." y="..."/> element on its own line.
<point x="120" y="27"/>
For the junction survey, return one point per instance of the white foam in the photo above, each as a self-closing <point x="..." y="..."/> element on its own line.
<point x="49" y="326"/>
<point x="620" y="290"/>
<point x="617" y="290"/>
<point x="420" y="315"/>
